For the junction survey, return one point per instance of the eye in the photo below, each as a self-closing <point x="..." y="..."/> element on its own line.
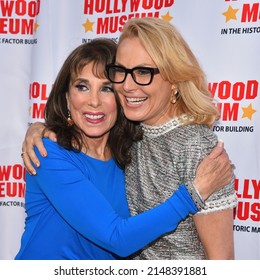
<point x="142" y="71"/>
<point x="81" y="87"/>
<point x="107" y="89"/>
<point x="119" y="70"/>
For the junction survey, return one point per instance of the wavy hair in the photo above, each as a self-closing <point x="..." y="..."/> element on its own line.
<point x="177" y="64"/>
<point x="100" y="52"/>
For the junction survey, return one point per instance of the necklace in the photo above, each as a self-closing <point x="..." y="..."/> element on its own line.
<point x="154" y="131"/>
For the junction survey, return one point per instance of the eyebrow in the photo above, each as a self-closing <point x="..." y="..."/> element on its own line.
<point x="107" y="82"/>
<point x="140" y="65"/>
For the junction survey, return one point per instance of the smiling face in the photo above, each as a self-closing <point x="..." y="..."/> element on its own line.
<point x="149" y="104"/>
<point x="92" y="104"/>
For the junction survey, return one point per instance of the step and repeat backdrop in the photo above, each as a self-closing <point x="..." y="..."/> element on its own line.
<point x="36" y="37"/>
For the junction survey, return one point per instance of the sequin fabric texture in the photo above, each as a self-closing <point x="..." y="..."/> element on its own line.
<point x="168" y="156"/>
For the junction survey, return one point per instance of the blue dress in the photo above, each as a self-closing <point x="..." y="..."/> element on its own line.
<point x="77" y="209"/>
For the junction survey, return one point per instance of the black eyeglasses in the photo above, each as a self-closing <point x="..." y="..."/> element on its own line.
<point x="143" y="76"/>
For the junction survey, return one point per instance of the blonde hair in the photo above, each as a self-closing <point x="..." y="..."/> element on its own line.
<point x="177" y="64"/>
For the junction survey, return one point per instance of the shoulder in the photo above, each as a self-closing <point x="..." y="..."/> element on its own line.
<point x="197" y="130"/>
<point x="197" y="134"/>
<point x="54" y="150"/>
<point x="49" y="143"/>
<point x="53" y="147"/>
<point x="60" y="158"/>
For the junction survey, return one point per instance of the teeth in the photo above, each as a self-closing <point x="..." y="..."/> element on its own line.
<point x="94" y="117"/>
<point x="135" y="100"/>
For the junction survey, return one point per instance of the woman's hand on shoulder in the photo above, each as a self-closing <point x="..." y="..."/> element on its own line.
<point x="214" y="172"/>
<point x="33" y="138"/>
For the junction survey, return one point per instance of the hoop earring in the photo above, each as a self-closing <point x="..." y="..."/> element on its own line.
<point x="70" y="121"/>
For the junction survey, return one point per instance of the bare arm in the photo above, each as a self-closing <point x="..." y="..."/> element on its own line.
<point x="215" y="224"/>
<point x="216" y="234"/>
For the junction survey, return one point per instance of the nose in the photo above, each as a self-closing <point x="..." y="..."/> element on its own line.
<point x="94" y="99"/>
<point x="129" y="84"/>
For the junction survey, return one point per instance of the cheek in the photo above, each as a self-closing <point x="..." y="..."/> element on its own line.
<point x="72" y="101"/>
<point x="165" y="90"/>
<point x="121" y="98"/>
<point x="112" y="108"/>
<point x="120" y="95"/>
<point x="114" y="112"/>
<point x="76" y="102"/>
<point x="74" y="108"/>
<point x="117" y="87"/>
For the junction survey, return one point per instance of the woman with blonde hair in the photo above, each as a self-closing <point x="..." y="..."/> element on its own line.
<point x="163" y="87"/>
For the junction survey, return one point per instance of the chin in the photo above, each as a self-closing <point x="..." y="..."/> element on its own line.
<point x="132" y="116"/>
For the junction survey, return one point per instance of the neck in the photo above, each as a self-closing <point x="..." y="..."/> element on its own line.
<point x="97" y="148"/>
<point x="100" y="153"/>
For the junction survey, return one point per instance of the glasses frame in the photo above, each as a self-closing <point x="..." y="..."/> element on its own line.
<point x="127" y="71"/>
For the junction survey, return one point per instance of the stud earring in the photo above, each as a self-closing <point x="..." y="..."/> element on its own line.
<point x="70" y="121"/>
<point x="175" y="96"/>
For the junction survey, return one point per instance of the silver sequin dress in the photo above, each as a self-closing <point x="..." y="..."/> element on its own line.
<point x="168" y="156"/>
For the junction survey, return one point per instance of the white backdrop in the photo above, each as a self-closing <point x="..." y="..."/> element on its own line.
<point x="36" y="37"/>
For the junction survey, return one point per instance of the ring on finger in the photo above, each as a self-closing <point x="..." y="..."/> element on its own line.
<point x="23" y="154"/>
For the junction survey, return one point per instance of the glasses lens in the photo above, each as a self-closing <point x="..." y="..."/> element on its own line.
<point x="143" y="76"/>
<point x="116" y="73"/>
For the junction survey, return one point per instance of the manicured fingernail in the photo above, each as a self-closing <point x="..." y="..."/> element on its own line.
<point x="220" y="143"/>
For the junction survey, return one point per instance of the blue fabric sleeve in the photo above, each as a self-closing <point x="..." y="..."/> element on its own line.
<point x="80" y="203"/>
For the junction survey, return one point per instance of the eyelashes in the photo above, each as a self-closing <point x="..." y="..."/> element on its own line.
<point x="81" y="87"/>
<point x="104" y="88"/>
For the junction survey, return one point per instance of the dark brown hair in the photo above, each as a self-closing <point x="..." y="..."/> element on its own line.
<point x="100" y="52"/>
